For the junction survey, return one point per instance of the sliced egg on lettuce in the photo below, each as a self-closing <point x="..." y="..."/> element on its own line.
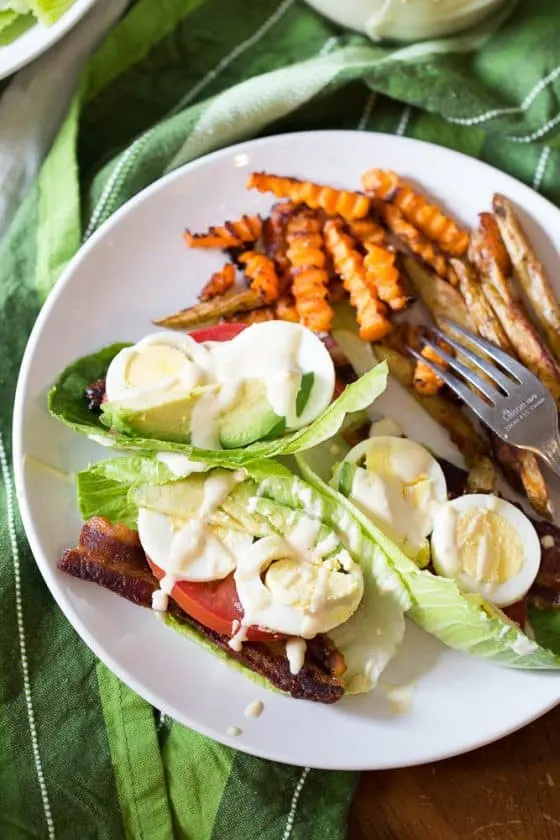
<point x="270" y="378"/>
<point x="399" y="485"/>
<point x="488" y="546"/>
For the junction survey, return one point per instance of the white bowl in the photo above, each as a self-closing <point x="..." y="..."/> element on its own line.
<point x="406" y="20"/>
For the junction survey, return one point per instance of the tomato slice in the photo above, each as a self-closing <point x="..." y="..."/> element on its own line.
<point x="219" y="332"/>
<point x="215" y="604"/>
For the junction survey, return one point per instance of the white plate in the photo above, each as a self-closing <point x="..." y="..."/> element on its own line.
<point x="39" y="38"/>
<point x="136" y="268"/>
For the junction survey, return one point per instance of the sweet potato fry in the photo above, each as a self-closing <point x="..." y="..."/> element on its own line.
<point x="428" y="218"/>
<point x="494" y="242"/>
<point x="530" y="273"/>
<point x="426" y="381"/>
<point x="229" y="235"/>
<point x="285" y="309"/>
<point x="367" y="231"/>
<point x="307" y="259"/>
<point x="208" y="311"/>
<point x="274" y="239"/>
<point x="220" y="283"/>
<point x="345" y="203"/>
<point x="415" y="241"/>
<point x="349" y="264"/>
<point x="255" y="316"/>
<point x="261" y="272"/>
<point x="384" y="277"/>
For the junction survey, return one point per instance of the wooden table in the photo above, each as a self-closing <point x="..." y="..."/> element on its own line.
<point x="509" y="790"/>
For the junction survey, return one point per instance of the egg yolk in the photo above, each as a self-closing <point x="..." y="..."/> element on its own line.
<point x="491" y="548"/>
<point x="157" y="363"/>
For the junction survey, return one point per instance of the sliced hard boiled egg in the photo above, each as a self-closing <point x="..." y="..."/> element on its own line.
<point x="488" y="546"/>
<point x="159" y="368"/>
<point x="399" y="485"/>
<point x="190" y="550"/>
<point x="287" y="593"/>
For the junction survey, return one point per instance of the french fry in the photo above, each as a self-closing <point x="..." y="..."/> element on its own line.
<point x="307" y="259"/>
<point x="261" y="272"/>
<point x="522" y="335"/>
<point x="492" y="236"/>
<point x="345" y="203"/>
<point x="530" y="272"/>
<point x="255" y="316"/>
<point x="482" y="477"/>
<point x="229" y="235"/>
<point x="428" y="218"/>
<point x="415" y="241"/>
<point x="349" y="263"/>
<point x="444" y="301"/>
<point x="367" y="231"/>
<point x="522" y="466"/>
<point x="481" y="314"/>
<point x="274" y="240"/>
<point x="285" y="309"/>
<point x="220" y="283"/>
<point x="382" y="275"/>
<point x="206" y="312"/>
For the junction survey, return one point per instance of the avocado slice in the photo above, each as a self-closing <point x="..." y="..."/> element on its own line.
<point x="251" y="418"/>
<point x="169" y="420"/>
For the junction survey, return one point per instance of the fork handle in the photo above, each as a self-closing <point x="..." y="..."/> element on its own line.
<point x="551" y="455"/>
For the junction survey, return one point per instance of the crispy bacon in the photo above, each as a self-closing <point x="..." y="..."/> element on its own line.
<point x="111" y="556"/>
<point x="94" y="393"/>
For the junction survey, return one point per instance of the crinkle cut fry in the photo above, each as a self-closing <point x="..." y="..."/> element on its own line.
<point x="416" y="241"/>
<point x="384" y="277"/>
<point x="220" y="283"/>
<point x="262" y="275"/>
<point x="242" y="231"/>
<point x="307" y="259"/>
<point x="415" y="207"/>
<point x="345" y="203"/>
<point x="349" y="263"/>
<point x="274" y="240"/>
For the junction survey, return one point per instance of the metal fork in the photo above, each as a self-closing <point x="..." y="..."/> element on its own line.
<point x="515" y="405"/>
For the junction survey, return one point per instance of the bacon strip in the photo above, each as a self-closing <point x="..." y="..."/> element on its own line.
<point x="111" y="556"/>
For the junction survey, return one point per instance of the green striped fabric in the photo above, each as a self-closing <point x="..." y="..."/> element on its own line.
<point x="81" y="756"/>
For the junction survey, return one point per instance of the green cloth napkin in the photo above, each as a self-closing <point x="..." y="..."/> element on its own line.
<point x="82" y="756"/>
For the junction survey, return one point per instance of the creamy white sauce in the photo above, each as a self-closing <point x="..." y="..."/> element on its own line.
<point x="164" y="368"/>
<point x="295" y="654"/>
<point x="447" y="525"/>
<point x="523" y="646"/>
<point x="179" y="465"/>
<point x="234" y="731"/>
<point x="547" y="541"/>
<point x="195" y="552"/>
<point x="385" y="427"/>
<point x="240" y="636"/>
<point x="399" y="697"/>
<point x="254" y="709"/>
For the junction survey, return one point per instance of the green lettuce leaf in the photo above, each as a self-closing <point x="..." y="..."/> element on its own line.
<point x="49" y="11"/>
<point x="12" y="25"/>
<point x="67" y="403"/>
<point x="463" y="622"/>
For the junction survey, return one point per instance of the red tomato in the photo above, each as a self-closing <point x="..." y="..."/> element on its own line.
<point x="219" y="332"/>
<point x="214" y="604"/>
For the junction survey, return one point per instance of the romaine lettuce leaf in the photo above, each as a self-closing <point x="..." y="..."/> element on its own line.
<point x="12" y="25"/>
<point x="464" y="622"/>
<point x="67" y="403"/>
<point x="49" y="11"/>
<point x="545" y="624"/>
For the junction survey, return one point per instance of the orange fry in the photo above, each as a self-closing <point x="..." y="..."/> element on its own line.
<point x="415" y="207"/>
<point x="349" y="205"/>
<point x="262" y="275"/>
<point x="307" y="258"/>
<point x="220" y="283"/>
<point x="416" y="241"/>
<point x="384" y="277"/>
<point x="229" y="235"/>
<point x="493" y="242"/>
<point x="425" y="380"/>
<point x="274" y="239"/>
<point x="285" y="309"/>
<point x="367" y="231"/>
<point x="349" y="263"/>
